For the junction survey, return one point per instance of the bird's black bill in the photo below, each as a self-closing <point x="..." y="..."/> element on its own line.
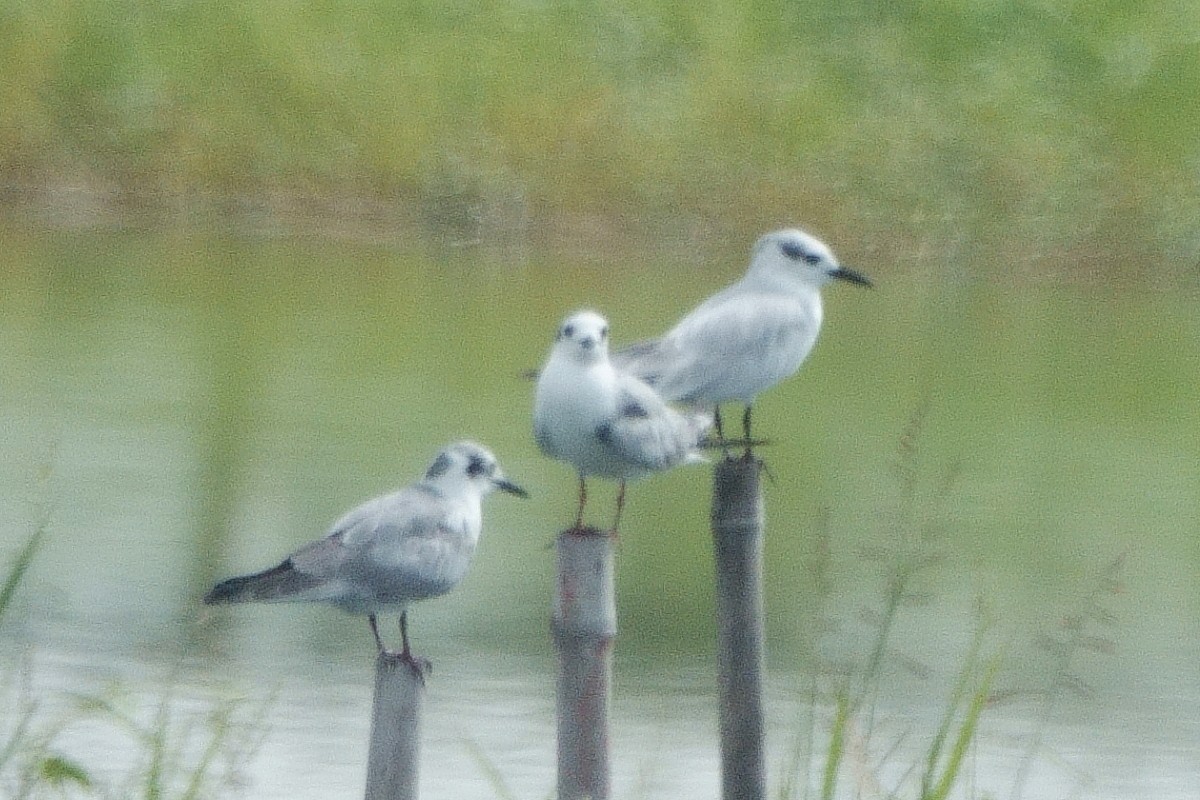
<point x="511" y="488"/>
<point x="850" y="276"/>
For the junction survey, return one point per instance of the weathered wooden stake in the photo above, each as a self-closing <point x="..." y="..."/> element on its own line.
<point x="395" y="731"/>
<point x="584" y="624"/>
<point x="737" y="523"/>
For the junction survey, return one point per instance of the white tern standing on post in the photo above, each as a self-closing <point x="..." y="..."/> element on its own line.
<point x="747" y="337"/>
<point x="409" y="545"/>
<point x="603" y="421"/>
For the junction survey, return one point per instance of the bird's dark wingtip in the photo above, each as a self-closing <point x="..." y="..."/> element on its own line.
<point x="271" y="584"/>
<point x="224" y="592"/>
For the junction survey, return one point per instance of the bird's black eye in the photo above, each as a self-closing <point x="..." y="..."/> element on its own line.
<point x="476" y="467"/>
<point x="604" y="332"/>
<point x="812" y="258"/>
<point x="568" y="331"/>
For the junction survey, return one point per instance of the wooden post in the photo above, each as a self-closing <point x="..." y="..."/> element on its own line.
<point x="584" y="624"/>
<point x="395" y="731"/>
<point x="737" y="523"/>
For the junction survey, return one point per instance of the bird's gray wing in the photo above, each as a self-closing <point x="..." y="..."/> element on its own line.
<point x="720" y="335"/>
<point x="393" y="549"/>
<point x="649" y="433"/>
<point x="656" y="360"/>
<point x="305" y="574"/>
<point x="645" y="359"/>
<point x="406" y="546"/>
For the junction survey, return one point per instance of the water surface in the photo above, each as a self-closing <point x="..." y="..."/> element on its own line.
<point x="184" y="407"/>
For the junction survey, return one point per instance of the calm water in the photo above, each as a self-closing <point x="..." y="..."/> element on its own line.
<point x="181" y="408"/>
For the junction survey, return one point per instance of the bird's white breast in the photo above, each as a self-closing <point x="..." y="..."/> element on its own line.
<point x="571" y="401"/>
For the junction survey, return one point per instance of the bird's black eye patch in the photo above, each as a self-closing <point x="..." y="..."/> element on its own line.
<point x="439" y="467"/>
<point x="604" y="332"/>
<point x="794" y="250"/>
<point x="568" y="331"/>
<point x="477" y="466"/>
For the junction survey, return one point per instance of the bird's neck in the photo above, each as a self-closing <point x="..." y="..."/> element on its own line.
<point x="586" y="362"/>
<point x="780" y="281"/>
<point x="598" y="369"/>
<point x="589" y="383"/>
<point x="454" y="490"/>
<point x="590" y="360"/>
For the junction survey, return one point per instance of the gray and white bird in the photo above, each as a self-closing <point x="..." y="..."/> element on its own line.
<point x="389" y="552"/>
<point x="605" y="422"/>
<point x="750" y="335"/>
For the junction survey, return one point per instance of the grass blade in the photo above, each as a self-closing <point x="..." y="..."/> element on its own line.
<point x="837" y="746"/>
<point x="17" y="571"/>
<point x="966" y="733"/>
<point x="490" y="771"/>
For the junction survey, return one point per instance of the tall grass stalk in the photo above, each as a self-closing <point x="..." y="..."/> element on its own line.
<point x="837" y="746"/>
<point x="1078" y="634"/>
<point x="936" y="785"/>
<point x="184" y="755"/>
<point x="962" y="687"/>
<point x="855" y="702"/>
<point x="32" y="763"/>
<point x="491" y="771"/>
<point x="802" y="757"/>
<point x="16" y="570"/>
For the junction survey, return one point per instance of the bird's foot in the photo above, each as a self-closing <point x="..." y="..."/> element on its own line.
<point x="419" y="665"/>
<point x="579" y="529"/>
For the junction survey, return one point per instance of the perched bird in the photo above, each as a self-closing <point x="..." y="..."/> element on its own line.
<point x="603" y="421"/>
<point x="409" y="545"/>
<point x="747" y="337"/>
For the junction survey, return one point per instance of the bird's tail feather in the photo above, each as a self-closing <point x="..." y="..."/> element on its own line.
<point x="276" y="584"/>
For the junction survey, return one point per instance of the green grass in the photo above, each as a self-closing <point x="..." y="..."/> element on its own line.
<point x="840" y="736"/>
<point x="178" y="754"/>
<point x="16" y="571"/>
<point x="1064" y="132"/>
<point x="912" y="549"/>
<point x="1086" y="629"/>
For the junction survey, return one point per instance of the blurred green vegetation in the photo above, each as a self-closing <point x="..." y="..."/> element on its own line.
<point x="181" y="754"/>
<point x="1040" y="130"/>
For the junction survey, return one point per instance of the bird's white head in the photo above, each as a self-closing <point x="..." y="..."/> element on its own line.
<point x="793" y="256"/>
<point x="583" y="337"/>
<point x="469" y="467"/>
